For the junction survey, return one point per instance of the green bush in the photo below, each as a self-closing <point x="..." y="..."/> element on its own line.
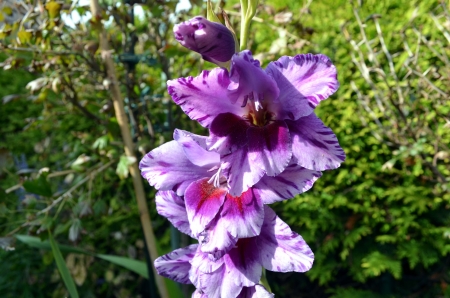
<point x="379" y="225"/>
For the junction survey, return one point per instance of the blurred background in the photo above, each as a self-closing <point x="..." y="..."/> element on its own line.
<point x="379" y="225"/>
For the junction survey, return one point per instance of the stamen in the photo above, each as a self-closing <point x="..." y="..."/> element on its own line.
<point x="257" y="105"/>
<point x="244" y="103"/>
<point x="215" y="179"/>
<point x="257" y="102"/>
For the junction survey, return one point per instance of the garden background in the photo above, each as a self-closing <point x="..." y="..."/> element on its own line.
<point x="379" y="225"/>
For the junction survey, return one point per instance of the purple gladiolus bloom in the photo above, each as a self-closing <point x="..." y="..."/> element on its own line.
<point x="261" y="121"/>
<point x="257" y="291"/>
<point x="185" y="168"/>
<point x="237" y="273"/>
<point x="212" y="40"/>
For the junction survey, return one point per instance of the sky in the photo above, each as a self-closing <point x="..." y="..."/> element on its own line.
<point x="75" y="17"/>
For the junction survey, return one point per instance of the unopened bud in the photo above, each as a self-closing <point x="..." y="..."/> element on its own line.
<point x="212" y="40"/>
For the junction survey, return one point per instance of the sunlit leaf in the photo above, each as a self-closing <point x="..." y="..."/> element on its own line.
<point x="136" y="266"/>
<point x="123" y="165"/>
<point x="24" y="36"/>
<point x="53" y="8"/>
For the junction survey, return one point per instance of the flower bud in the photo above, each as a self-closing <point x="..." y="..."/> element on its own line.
<point x="212" y="40"/>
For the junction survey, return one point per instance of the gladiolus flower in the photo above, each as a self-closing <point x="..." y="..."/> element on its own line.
<point x="237" y="273"/>
<point x="261" y="121"/>
<point x="185" y="168"/>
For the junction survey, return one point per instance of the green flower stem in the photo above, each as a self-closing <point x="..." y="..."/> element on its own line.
<point x="264" y="281"/>
<point x="248" y="10"/>
<point x="245" y="28"/>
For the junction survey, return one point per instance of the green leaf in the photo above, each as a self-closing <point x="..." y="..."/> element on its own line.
<point x="376" y="263"/>
<point x="122" y="167"/>
<point x="210" y="15"/>
<point x="62" y="267"/>
<point x="101" y="143"/>
<point x="54" y="9"/>
<point x="24" y="36"/>
<point x="136" y="266"/>
<point x="39" y="186"/>
<point x="38" y="243"/>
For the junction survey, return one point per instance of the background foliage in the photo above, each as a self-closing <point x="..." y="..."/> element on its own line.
<point x="379" y="225"/>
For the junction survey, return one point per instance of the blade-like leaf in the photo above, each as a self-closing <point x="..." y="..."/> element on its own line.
<point x="62" y="267"/>
<point x="136" y="266"/>
<point x="38" y="243"/>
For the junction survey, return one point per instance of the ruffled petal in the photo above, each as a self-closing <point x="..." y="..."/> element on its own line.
<point x="281" y="249"/>
<point x="292" y="181"/>
<point x="270" y="147"/>
<point x="243" y="263"/>
<point x="199" y="294"/>
<point x="240" y="268"/>
<point x="304" y="81"/>
<point x="168" y="168"/>
<point x="194" y="147"/>
<point x="243" y="215"/>
<point x="227" y="276"/>
<point x="240" y="217"/>
<point x="171" y="206"/>
<point x="203" y="262"/>
<point x="218" y="284"/>
<point x="228" y="133"/>
<point x="249" y="81"/>
<point x="203" y="202"/>
<point x="216" y="240"/>
<point x="314" y="145"/>
<point x="240" y="171"/>
<point x="204" y="97"/>
<point x="257" y="291"/>
<point x="176" y="265"/>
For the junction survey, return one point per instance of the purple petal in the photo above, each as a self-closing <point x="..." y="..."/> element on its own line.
<point x="240" y="268"/>
<point x="204" y="97"/>
<point x="168" y="168"/>
<point x="243" y="215"/>
<point x="199" y="294"/>
<point x="314" y="145"/>
<point x="203" y="262"/>
<point x="243" y="263"/>
<point x="203" y="202"/>
<point x="256" y="291"/>
<point x="218" y="284"/>
<point x="176" y="265"/>
<point x="240" y="171"/>
<point x="280" y="249"/>
<point x="250" y="81"/>
<point x="212" y="40"/>
<point x="292" y="181"/>
<point x="228" y="133"/>
<point x="171" y="206"/>
<point x="194" y="147"/>
<point x="194" y="276"/>
<point x="216" y="240"/>
<point x="304" y="81"/>
<point x="270" y="147"/>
